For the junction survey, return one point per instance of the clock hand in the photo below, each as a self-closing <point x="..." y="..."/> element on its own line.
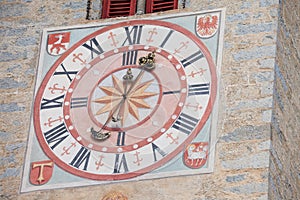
<point x="100" y="135"/>
<point x="147" y="63"/>
<point x="127" y="78"/>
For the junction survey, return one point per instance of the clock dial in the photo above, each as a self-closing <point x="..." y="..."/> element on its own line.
<point x="112" y="104"/>
<point x="117" y="115"/>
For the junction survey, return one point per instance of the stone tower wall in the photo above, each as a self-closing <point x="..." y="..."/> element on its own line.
<point x="285" y="154"/>
<point x="242" y="150"/>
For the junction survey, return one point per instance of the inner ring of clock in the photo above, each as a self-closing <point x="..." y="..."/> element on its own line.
<point x="125" y="98"/>
<point x="158" y="93"/>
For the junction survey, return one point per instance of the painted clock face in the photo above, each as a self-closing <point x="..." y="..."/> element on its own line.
<point x="117" y="117"/>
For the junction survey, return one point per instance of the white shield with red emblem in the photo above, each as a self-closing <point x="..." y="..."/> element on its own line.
<point x="41" y="172"/>
<point x="58" y="43"/>
<point x="195" y="155"/>
<point x="207" y="25"/>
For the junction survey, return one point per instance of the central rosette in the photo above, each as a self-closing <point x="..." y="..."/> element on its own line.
<point x="125" y="98"/>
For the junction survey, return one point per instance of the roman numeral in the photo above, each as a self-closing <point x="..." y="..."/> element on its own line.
<point x="166" y="38"/>
<point x="79" y="102"/>
<point x="171" y="92"/>
<point x="129" y="58"/>
<point x="93" y="43"/>
<point x="120" y="161"/>
<point x="65" y="72"/>
<point x="133" y="35"/>
<point x="185" y="123"/>
<point x="82" y="157"/>
<point x="56" y="135"/>
<point x="199" y="89"/>
<point x="52" y="103"/>
<point x="121" y="139"/>
<point x="156" y="149"/>
<point x="192" y="58"/>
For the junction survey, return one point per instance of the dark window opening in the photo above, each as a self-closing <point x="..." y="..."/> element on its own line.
<point x="153" y="6"/>
<point x="118" y="8"/>
<point x="97" y="9"/>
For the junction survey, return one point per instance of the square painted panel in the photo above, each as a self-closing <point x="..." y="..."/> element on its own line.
<point x="125" y="101"/>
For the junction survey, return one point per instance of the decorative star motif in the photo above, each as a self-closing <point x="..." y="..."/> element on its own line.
<point x="125" y="97"/>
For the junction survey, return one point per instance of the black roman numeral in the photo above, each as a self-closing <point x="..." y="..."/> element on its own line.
<point x="199" y="89"/>
<point x="192" y="58"/>
<point x="166" y="38"/>
<point x="120" y="161"/>
<point x="79" y="102"/>
<point x="133" y="35"/>
<point x="156" y="149"/>
<point x="65" y="72"/>
<point x="121" y="139"/>
<point x="185" y="123"/>
<point x="129" y="58"/>
<point x="56" y="135"/>
<point x="171" y="92"/>
<point x="93" y="43"/>
<point x="52" y="103"/>
<point x="81" y="157"/>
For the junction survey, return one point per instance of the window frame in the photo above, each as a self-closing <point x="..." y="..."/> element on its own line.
<point x="106" y="9"/>
<point x="150" y="4"/>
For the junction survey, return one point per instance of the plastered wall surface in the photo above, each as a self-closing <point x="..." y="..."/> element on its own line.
<point x="246" y="97"/>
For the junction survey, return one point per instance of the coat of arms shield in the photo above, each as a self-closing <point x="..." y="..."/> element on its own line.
<point x="58" y="43"/>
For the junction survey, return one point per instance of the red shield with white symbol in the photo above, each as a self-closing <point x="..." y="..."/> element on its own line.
<point x="41" y="172"/>
<point x="58" y="43"/>
<point x="207" y="25"/>
<point x="195" y="155"/>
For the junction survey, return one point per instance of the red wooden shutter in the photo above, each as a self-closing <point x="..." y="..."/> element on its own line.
<point x="118" y="8"/>
<point x="160" y="5"/>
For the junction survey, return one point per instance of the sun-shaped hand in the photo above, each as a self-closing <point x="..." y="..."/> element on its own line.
<point x="125" y="97"/>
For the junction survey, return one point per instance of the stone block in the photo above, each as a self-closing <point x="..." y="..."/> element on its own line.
<point x="267" y="3"/>
<point x="253" y="161"/>
<point x="253" y="104"/>
<point x="9" y="83"/>
<point x="236" y="178"/>
<point x="249" y="188"/>
<point x="11" y="172"/>
<point x="255" y="53"/>
<point x="26" y="41"/>
<point x="247" y="133"/>
<point x="11" y="107"/>
<point x="13" y="10"/>
<point x="243" y="29"/>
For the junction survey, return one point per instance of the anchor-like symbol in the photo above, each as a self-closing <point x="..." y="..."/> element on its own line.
<point x="200" y="72"/>
<point x="153" y="32"/>
<point x="173" y="139"/>
<point x="56" y="88"/>
<point x="197" y="106"/>
<point x="50" y="121"/>
<point x="112" y="37"/>
<point x="183" y="45"/>
<point x="67" y="150"/>
<point x="99" y="163"/>
<point x="138" y="160"/>
<point x="78" y="57"/>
